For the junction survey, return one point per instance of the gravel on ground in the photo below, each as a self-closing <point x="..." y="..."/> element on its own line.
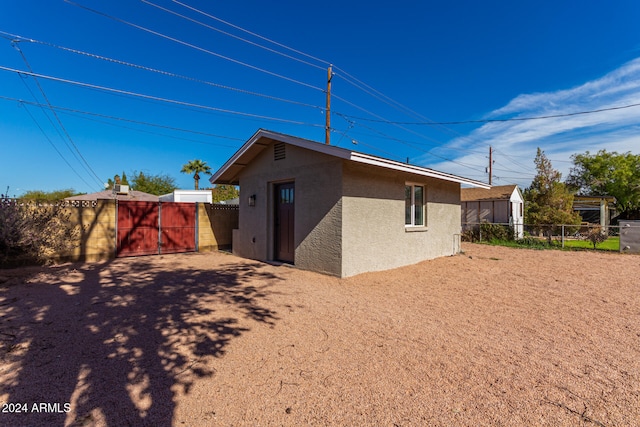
<point x="493" y="336"/>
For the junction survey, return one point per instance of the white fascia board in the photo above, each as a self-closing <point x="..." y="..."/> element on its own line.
<point x="403" y="167"/>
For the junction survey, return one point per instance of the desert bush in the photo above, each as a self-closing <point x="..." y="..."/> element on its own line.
<point x="34" y="233"/>
<point x="496" y="232"/>
<point x="596" y="235"/>
<point x="470" y="235"/>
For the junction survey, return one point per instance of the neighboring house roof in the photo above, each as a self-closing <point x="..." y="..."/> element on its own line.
<point x="229" y="172"/>
<point x="497" y="192"/>
<point x="108" y="194"/>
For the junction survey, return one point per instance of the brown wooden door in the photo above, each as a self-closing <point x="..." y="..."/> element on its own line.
<point x="284" y="222"/>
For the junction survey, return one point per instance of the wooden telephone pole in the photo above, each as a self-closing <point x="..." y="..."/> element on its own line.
<point x="327" y="127"/>
<point x="490" y="164"/>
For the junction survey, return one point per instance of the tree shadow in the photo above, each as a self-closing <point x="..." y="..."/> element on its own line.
<point x="118" y="341"/>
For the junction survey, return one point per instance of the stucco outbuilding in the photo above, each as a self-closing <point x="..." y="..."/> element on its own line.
<point x="337" y="211"/>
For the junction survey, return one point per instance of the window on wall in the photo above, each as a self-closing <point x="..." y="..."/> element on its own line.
<point x="414" y="205"/>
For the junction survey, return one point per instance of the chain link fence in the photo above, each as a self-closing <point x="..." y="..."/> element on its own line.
<point x="582" y="236"/>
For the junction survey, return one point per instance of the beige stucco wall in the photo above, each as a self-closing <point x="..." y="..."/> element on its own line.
<point x="373" y="229"/>
<point x="318" y="208"/>
<point x="349" y="218"/>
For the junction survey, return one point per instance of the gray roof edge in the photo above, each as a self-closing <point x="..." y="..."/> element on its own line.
<point x="344" y="154"/>
<point x="418" y="170"/>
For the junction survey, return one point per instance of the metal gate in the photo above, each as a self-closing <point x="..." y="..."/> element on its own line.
<point x="147" y="228"/>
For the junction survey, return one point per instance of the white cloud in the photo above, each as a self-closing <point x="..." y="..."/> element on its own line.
<point x="515" y="142"/>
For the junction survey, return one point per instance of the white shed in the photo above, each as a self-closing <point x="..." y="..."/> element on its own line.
<point x="192" y="196"/>
<point x="501" y="204"/>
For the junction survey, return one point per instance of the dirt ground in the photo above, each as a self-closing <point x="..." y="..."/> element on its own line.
<point x="494" y="336"/>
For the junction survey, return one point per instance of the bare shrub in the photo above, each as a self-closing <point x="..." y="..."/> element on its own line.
<point x="596" y="235"/>
<point x="34" y="232"/>
<point x="496" y="232"/>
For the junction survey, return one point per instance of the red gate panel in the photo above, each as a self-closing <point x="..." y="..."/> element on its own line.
<point x="137" y="232"/>
<point x="146" y="228"/>
<point x="178" y="227"/>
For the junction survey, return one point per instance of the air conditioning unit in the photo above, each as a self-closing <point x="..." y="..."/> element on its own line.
<point x="121" y="189"/>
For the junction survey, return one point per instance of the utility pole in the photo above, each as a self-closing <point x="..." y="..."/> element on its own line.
<point x="490" y="164"/>
<point x="327" y="128"/>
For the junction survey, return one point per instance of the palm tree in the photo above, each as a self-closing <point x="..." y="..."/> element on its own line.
<point x="195" y="167"/>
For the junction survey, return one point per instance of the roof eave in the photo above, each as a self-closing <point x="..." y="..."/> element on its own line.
<point x="225" y="175"/>
<point x="418" y="170"/>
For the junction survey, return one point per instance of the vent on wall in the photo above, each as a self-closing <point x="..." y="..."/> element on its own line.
<point x="278" y="151"/>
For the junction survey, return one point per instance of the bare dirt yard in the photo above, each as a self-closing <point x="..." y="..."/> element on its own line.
<point x="494" y="336"/>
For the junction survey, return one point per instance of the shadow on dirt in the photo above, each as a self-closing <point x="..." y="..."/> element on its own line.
<point x="119" y="340"/>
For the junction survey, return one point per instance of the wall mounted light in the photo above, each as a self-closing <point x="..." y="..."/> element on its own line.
<point x="252" y="200"/>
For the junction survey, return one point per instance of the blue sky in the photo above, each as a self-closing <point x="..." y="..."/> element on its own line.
<point x="149" y="85"/>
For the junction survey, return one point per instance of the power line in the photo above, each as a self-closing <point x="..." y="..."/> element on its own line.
<point x="84" y="162"/>
<point x="17" y="38"/>
<point x="156" y="98"/>
<point x="517" y="163"/>
<point x="374" y="148"/>
<point x="342" y="73"/>
<point x="371" y="90"/>
<point x="512" y="119"/>
<point x="326" y="63"/>
<point x="388" y="100"/>
<point x="55" y="148"/>
<point x="376" y="115"/>
<point x="345" y="117"/>
<point x="347" y="77"/>
<point x="201" y="49"/>
<point x="409" y="144"/>
<point x="229" y="34"/>
<point x="165" y="135"/>
<point x="256" y="35"/>
<point x="378" y="95"/>
<point x="139" y="122"/>
<point x="530" y="157"/>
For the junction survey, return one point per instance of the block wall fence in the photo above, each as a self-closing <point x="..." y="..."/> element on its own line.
<point x="97" y="222"/>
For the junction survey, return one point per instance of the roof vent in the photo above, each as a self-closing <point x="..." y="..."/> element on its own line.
<point x="121" y="189"/>
<point x="278" y="151"/>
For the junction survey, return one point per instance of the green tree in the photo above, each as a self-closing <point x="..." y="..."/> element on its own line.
<point x="153" y="184"/>
<point x="609" y="174"/>
<point x="548" y="200"/>
<point x="196" y="167"/>
<point x="49" y="196"/>
<point x="224" y="192"/>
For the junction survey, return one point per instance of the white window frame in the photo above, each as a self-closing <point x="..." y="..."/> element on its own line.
<point x="413" y="224"/>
